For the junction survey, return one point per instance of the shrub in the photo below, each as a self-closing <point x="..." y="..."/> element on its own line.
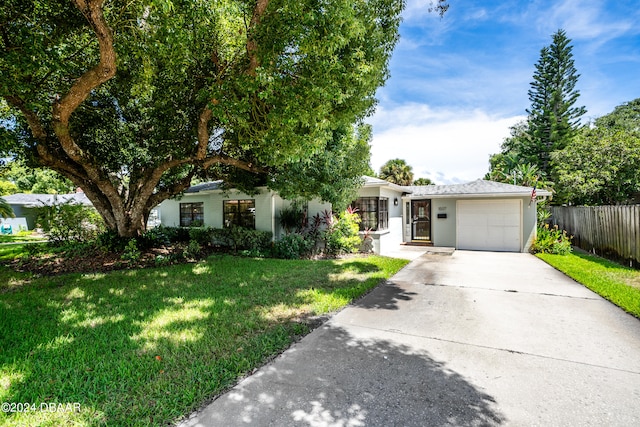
<point x="157" y="237"/>
<point x="551" y="240"/>
<point x="343" y="236"/>
<point x="162" y="260"/>
<point x="109" y="241"/>
<point x="251" y="240"/>
<point x="293" y="246"/>
<point x="221" y="238"/>
<point x="65" y="222"/>
<point x="202" y="235"/>
<point x="131" y="251"/>
<point x="192" y="250"/>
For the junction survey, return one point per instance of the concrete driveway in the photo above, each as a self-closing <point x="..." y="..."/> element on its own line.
<point x="471" y="339"/>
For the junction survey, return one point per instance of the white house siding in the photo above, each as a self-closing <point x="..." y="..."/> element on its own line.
<point x="443" y="230"/>
<point x="213" y="208"/>
<point x="529" y="223"/>
<point x="390" y="238"/>
<point x="268" y="207"/>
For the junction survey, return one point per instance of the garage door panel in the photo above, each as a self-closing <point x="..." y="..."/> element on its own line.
<point x="493" y="225"/>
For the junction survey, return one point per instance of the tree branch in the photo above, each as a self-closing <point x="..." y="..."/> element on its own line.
<point x="252" y="44"/>
<point x="203" y="132"/>
<point x="80" y="90"/>
<point x="32" y="118"/>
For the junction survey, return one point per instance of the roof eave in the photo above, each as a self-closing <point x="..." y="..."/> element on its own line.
<point x="474" y="195"/>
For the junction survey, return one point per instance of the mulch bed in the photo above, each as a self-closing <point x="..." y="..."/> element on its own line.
<point x="95" y="260"/>
<point x="91" y="260"/>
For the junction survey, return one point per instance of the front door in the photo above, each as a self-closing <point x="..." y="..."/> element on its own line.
<point x="421" y="220"/>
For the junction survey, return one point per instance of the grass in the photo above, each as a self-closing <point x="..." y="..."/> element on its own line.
<point x="616" y="283"/>
<point x="20" y="237"/>
<point x="146" y="347"/>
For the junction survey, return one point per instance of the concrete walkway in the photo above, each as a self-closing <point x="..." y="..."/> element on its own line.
<point x="472" y="339"/>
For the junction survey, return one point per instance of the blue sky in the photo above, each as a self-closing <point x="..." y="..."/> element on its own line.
<point x="458" y="83"/>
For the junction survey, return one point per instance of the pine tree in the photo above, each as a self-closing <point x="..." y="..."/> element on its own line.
<point x="553" y="119"/>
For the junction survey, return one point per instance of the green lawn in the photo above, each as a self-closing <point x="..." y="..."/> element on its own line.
<point x="20" y="237"/>
<point x="145" y="347"/>
<point x="618" y="284"/>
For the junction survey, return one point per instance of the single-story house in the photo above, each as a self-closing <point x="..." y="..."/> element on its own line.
<point x="211" y="205"/>
<point x="25" y="206"/>
<point x="479" y="215"/>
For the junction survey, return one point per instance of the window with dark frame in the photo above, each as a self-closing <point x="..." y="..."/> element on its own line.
<point x="374" y="212"/>
<point x="241" y="213"/>
<point x="191" y="214"/>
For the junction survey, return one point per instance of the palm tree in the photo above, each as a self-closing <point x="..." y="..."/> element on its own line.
<point x="397" y="171"/>
<point x="5" y="209"/>
<point x="423" y="181"/>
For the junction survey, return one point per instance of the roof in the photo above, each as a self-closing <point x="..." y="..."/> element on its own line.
<point x="370" y="181"/>
<point x="476" y="188"/>
<point x="40" y="200"/>
<point x="205" y="186"/>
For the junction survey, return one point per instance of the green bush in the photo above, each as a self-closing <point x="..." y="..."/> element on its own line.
<point x="110" y="241"/>
<point x="157" y="237"/>
<point x="551" y="240"/>
<point x="233" y="239"/>
<point x="202" y="235"/>
<point x="131" y="251"/>
<point x="251" y="240"/>
<point x="293" y="246"/>
<point x="342" y="236"/>
<point x="221" y="238"/>
<point x="193" y="250"/>
<point x="68" y="222"/>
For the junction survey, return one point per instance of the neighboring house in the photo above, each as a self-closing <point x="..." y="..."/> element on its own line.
<point x="480" y="215"/>
<point x="25" y="206"/>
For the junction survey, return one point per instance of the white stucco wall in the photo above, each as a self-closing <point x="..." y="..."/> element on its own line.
<point x="213" y="208"/>
<point x="529" y="223"/>
<point x="391" y="237"/>
<point x="268" y="206"/>
<point x="443" y="230"/>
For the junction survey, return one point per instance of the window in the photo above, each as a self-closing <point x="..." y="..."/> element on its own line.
<point x="374" y="212"/>
<point x="240" y="212"/>
<point x="191" y="214"/>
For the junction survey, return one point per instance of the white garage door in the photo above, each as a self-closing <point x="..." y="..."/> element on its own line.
<point x="489" y="225"/>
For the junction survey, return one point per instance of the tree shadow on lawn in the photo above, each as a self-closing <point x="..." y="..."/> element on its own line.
<point x="142" y="347"/>
<point x="333" y="378"/>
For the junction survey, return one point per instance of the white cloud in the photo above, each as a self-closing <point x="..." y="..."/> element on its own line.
<point x="586" y="20"/>
<point x="445" y="146"/>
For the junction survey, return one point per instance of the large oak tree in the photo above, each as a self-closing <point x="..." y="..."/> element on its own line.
<point x="130" y="100"/>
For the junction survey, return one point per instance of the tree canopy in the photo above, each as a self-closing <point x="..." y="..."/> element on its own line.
<point x="397" y="171"/>
<point x="422" y="181"/>
<point x="16" y="177"/>
<point x="552" y="123"/>
<point x="602" y="164"/>
<point x="131" y="100"/>
<point x="553" y="118"/>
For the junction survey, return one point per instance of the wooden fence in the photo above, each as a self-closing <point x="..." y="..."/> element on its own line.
<point x="610" y="231"/>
